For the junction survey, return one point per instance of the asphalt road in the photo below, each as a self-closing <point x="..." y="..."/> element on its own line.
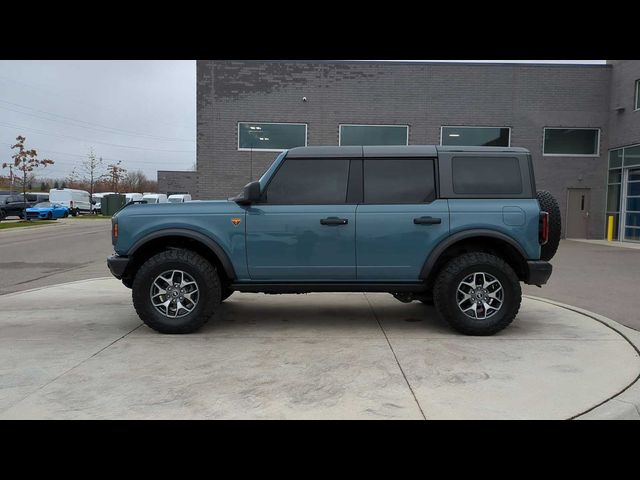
<point x="602" y="279"/>
<point x="599" y="278"/>
<point x="69" y="250"/>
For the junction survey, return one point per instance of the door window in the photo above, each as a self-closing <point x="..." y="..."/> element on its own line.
<point x="309" y="182"/>
<point x="399" y="180"/>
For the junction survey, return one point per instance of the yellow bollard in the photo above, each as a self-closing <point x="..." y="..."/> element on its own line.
<point x="610" y="229"/>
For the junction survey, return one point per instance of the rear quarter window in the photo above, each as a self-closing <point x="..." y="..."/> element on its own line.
<point x="486" y="175"/>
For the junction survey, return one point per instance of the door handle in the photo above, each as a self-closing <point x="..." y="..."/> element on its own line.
<point x="427" y="221"/>
<point x="334" y="221"/>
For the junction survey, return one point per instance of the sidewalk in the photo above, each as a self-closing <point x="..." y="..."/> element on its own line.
<point x="79" y="351"/>
<point x="607" y="243"/>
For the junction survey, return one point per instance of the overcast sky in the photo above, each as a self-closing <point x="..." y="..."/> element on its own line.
<point x="140" y="112"/>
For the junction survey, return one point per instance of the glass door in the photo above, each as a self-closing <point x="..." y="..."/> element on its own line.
<point x="631" y="205"/>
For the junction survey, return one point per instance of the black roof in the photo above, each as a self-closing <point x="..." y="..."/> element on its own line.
<point x="390" y="151"/>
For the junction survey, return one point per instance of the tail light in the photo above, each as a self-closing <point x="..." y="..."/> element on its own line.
<point x="543" y="230"/>
<point x="114" y="232"/>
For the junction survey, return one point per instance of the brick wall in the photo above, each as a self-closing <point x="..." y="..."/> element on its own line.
<point x="424" y="96"/>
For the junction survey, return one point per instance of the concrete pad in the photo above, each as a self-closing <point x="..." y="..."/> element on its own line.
<point x="79" y="351"/>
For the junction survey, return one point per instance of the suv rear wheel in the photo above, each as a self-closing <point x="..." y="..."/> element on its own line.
<point x="176" y="291"/>
<point x="477" y="293"/>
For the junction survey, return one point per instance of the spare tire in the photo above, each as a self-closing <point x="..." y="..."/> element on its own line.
<point x="549" y="204"/>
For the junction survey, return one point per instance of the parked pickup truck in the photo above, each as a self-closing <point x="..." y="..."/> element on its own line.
<point x="454" y="226"/>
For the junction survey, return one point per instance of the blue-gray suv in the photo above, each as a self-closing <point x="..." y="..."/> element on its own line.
<point x="458" y="227"/>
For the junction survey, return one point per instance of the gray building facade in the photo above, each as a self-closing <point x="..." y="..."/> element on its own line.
<point x="177" y="181"/>
<point x="537" y="107"/>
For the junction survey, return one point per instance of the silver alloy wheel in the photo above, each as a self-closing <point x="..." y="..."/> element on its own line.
<point x="479" y="295"/>
<point x="174" y="293"/>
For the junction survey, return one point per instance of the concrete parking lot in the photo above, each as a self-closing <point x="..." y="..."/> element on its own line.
<point x="300" y="356"/>
<point x="78" y="350"/>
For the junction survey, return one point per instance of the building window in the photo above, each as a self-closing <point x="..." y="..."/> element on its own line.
<point x="373" y="135"/>
<point x="637" y="102"/>
<point x="272" y="137"/>
<point x="476" y="136"/>
<point x="578" y="142"/>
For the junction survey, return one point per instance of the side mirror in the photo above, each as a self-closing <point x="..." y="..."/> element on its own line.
<point x="93" y="202"/>
<point x="250" y="194"/>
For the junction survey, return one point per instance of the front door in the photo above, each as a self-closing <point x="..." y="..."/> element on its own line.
<point x="631" y="205"/>
<point x="400" y="221"/>
<point x="303" y="229"/>
<point x="578" y="203"/>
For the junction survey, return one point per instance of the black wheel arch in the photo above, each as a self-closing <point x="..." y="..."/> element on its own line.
<point x="482" y="240"/>
<point x="165" y="239"/>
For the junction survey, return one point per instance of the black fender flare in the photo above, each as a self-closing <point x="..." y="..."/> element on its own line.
<point x="456" y="237"/>
<point x="192" y="234"/>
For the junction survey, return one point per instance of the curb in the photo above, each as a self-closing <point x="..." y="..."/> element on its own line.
<point x="624" y="405"/>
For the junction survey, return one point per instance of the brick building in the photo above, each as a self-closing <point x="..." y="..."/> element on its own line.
<point x="581" y="123"/>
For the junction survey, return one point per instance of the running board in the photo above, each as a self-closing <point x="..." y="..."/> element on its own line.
<point x="328" y="287"/>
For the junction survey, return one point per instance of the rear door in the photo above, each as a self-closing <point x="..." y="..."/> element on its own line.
<point x="400" y="220"/>
<point x="304" y="228"/>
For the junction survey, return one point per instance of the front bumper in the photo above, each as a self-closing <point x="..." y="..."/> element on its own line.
<point x="538" y="272"/>
<point x="117" y="265"/>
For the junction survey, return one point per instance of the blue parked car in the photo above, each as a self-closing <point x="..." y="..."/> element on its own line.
<point x="47" y="211"/>
<point x="458" y="227"/>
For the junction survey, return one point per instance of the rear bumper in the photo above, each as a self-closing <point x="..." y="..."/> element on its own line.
<point x="538" y="272"/>
<point x="117" y="265"/>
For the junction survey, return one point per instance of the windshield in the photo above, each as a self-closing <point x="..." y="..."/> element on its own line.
<point x="42" y="205"/>
<point x="175" y="200"/>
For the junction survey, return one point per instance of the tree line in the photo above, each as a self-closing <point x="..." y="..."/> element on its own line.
<point x="93" y="174"/>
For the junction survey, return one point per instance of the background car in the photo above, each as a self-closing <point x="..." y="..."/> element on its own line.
<point x="78" y="201"/>
<point x="12" y="205"/>
<point x="179" y="198"/>
<point x="155" y="198"/>
<point x="47" y="211"/>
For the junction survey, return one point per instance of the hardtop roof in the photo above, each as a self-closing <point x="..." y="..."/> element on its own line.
<point x="390" y="151"/>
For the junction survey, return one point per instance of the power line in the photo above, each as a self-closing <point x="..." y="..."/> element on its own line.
<point x="152" y="162"/>
<point x="44" y="132"/>
<point x="103" y="128"/>
<point x="8" y="79"/>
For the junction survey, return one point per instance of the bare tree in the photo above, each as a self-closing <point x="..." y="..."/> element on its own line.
<point x="25" y="161"/>
<point x="116" y="173"/>
<point x="90" y="172"/>
<point x="135" y="181"/>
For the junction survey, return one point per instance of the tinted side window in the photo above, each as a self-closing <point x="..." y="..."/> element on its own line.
<point x="309" y="181"/>
<point x="399" y="180"/>
<point x="486" y="175"/>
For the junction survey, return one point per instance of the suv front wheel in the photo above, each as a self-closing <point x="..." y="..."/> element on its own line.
<point x="477" y="293"/>
<point x="176" y="291"/>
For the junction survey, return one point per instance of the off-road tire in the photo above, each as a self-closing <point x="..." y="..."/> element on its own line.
<point x="197" y="267"/>
<point x="446" y="286"/>
<point x="549" y="204"/>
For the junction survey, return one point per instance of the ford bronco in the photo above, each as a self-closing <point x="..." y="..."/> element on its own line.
<point x="457" y="227"/>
